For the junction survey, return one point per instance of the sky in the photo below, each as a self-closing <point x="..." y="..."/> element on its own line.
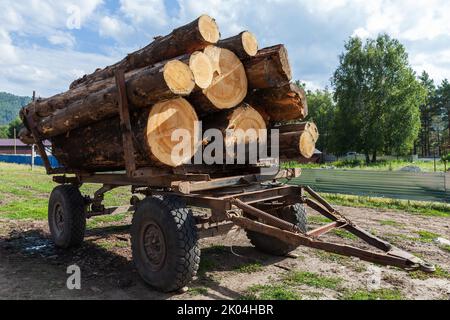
<point x="46" y="44"/>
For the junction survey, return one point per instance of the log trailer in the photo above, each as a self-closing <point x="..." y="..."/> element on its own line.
<point x="166" y="225"/>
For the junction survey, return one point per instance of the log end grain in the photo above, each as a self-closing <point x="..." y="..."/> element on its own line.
<point x="164" y="119"/>
<point x="229" y="86"/>
<point x="179" y="77"/>
<point x="307" y="145"/>
<point x="208" y="29"/>
<point x="245" y="119"/>
<point x="202" y="69"/>
<point x="249" y="43"/>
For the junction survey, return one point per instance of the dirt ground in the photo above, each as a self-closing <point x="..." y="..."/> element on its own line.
<point x="32" y="268"/>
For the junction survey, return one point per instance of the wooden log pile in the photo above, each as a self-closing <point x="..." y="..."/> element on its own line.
<point x="175" y="81"/>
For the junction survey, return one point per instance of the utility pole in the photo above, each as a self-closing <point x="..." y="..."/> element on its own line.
<point x="33" y="155"/>
<point x="15" y="142"/>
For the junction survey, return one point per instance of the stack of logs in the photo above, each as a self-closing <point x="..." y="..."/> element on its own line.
<point x="178" y="79"/>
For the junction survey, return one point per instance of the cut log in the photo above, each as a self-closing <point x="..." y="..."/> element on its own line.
<point x="297" y="141"/>
<point x="144" y="88"/>
<point x="296" y="144"/>
<point x="240" y="119"/>
<point x="229" y="86"/>
<point x="285" y="103"/>
<point x="198" y="62"/>
<point x="268" y="68"/>
<point x="244" y="45"/>
<point x="202" y="69"/>
<point x="238" y="129"/>
<point x="164" y="119"/>
<point x="186" y="39"/>
<point x="304" y="126"/>
<point x="99" y="147"/>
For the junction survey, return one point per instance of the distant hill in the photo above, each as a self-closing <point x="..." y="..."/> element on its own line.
<point x="10" y="106"/>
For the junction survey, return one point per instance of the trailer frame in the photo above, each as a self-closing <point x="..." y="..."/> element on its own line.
<point x="246" y="197"/>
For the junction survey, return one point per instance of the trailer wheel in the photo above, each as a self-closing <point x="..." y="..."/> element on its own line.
<point x="164" y="243"/>
<point x="295" y="214"/>
<point x="66" y="216"/>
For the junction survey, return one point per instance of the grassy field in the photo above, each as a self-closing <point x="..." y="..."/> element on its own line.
<point x="425" y="166"/>
<point x="24" y="195"/>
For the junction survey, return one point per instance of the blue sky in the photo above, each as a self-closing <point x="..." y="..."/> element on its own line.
<point x="45" y="44"/>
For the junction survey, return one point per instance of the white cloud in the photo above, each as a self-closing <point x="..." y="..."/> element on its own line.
<point x="48" y="71"/>
<point x="114" y="28"/>
<point x="8" y="51"/>
<point x="145" y="12"/>
<point x="407" y="20"/>
<point x="62" y="38"/>
<point x="313" y="31"/>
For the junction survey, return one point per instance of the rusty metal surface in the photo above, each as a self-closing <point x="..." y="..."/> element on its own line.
<point x="125" y="124"/>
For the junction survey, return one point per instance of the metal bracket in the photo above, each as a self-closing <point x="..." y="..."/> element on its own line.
<point x="125" y="124"/>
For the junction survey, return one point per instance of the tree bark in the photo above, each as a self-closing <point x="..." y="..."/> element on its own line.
<point x="244" y="45"/>
<point x="269" y="68"/>
<point x="304" y="126"/>
<point x="285" y="103"/>
<point x="198" y="62"/>
<point x="186" y="39"/>
<point x="229" y="85"/>
<point x="144" y="88"/>
<point x="295" y="145"/>
<point x="99" y="147"/>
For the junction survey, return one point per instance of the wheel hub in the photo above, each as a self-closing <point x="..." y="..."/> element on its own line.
<point x="155" y="246"/>
<point x="59" y="218"/>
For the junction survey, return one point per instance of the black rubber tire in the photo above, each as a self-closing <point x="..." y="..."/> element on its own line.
<point x="67" y="216"/>
<point x="295" y="214"/>
<point x="174" y="269"/>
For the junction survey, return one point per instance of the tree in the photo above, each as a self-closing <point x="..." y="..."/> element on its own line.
<point x="443" y="102"/>
<point x="15" y="124"/>
<point x="427" y="111"/>
<point x="378" y="98"/>
<point x="3" y="132"/>
<point x="322" y="112"/>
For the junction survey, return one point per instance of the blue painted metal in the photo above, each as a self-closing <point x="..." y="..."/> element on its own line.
<point x="26" y="159"/>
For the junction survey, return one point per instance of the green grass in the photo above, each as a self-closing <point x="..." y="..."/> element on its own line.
<point x="206" y="265"/>
<point x="381" y="165"/>
<point x="99" y="221"/>
<point x="198" y="291"/>
<point x="426" y="236"/>
<point x="271" y="292"/>
<point x="25" y="193"/>
<point x="318" y="219"/>
<point x="439" y="274"/>
<point x="344" y="234"/>
<point x="391" y="223"/>
<point x="249" y="268"/>
<point x="445" y="248"/>
<point x="312" y="280"/>
<point x="381" y="294"/>
<point x="108" y="244"/>
<point x="431" y="209"/>
<point x="331" y="257"/>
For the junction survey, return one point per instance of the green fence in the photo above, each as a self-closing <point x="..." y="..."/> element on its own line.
<point x="387" y="184"/>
